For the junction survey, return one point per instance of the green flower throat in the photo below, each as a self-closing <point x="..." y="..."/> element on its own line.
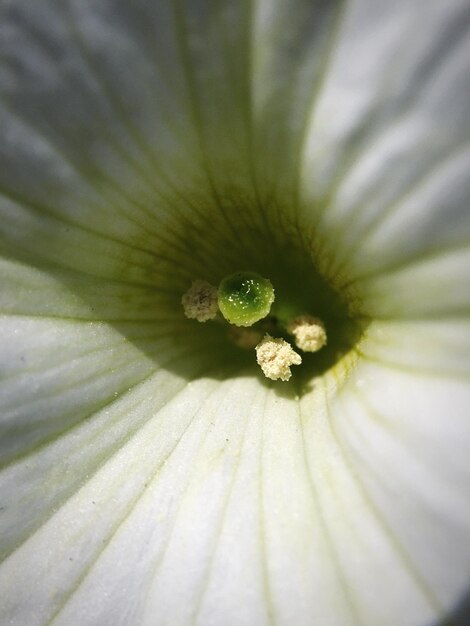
<point x="281" y="331"/>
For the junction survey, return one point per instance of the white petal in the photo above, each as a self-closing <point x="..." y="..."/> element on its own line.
<point x="142" y="484"/>
<point x="205" y="124"/>
<point x="123" y="517"/>
<point x="387" y="150"/>
<point x="230" y="503"/>
<point x="402" y="422"/>
<point x="101" y="169"/>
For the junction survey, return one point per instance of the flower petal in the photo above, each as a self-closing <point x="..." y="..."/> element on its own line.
<point x="139" y="485"/>
<point x="402" y="421"/>
<point x="387" y="150"/>
<point x="232" y="502"/>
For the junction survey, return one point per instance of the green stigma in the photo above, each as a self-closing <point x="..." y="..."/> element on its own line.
<point x="245" y="298"/>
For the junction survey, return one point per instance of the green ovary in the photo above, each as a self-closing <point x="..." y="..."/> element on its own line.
<point x="245" y="298"/>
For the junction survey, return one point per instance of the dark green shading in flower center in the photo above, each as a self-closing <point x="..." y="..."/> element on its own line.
<point x="245" y="298"/>
<point x="301" y="288"/>
<point x="213" y="241"/>
<point x="301" y="285"/>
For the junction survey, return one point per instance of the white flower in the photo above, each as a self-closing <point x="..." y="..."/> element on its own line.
<point x="149" y="475"/>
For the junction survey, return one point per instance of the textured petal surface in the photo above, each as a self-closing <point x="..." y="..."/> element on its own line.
<point x="388" y="141"/>
<point x="147" y="476"/>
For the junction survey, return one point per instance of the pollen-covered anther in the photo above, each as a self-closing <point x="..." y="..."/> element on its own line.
<point x="275" y="357"/>
<point x="200" y="301"/>
<point x="309" y="332"/>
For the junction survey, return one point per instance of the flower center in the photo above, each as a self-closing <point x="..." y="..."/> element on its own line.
<point x="285" y="297"/>
<point x="245" y="298"/>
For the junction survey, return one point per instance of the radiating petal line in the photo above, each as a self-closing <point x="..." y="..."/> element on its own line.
<point x="324" y="526"/>
<point x="131" y="199"/>
<point x="222" y="519"/>
<point x="121" y="191"/>
<point x="61" y="218"/>
<point x="359" y="151"/>
<point x="183" y="355"/>
<point x="386" y="425"/>
<point x="248" y="115"/>
<point x="182" y="39"/>
<point x="153" y="477"/>
<point x="423" y="257"/>
<point x="271" y="613"/>
<point x="433" y="492"/>
<point x="416" y="371"/>
<point x="158" y="561"/>
<point x="406" y="558"/>
<point x="59" y="363"/>
<point x="328" y="58"/>
<point x="140" y="141"/>
<point x="385" y="214"/>
<point x="91" y="474"/>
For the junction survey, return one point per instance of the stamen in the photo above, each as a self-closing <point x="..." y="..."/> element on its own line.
<point x="245" y="298"/>
<point x="275" y="356"/>
<point x="309" y="332"/>
<point x="200" y="301"/>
